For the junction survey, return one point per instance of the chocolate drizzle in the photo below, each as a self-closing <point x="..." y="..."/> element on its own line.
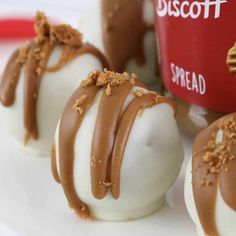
<point x="70" y="122"/>
<point x="103" y="141"/>
<point x="54" y="164"/>
<point x="110" y="135"/>
<point x="213" y="167"/>
<point x="10" y="77"/>
<point x="124" y="29"/>
<point x="34" y="58"/>
<point x="34" y="68"/>
<point x="141" y="102"/>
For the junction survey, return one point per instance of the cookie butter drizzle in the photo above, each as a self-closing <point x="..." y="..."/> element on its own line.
<point x="124" y="29"/>
<point x="110" y="135"/>
<point x="34" y="56"/>
<point x="213" y="165"/>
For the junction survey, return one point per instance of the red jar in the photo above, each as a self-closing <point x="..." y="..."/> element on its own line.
<point x="194" y="38"/>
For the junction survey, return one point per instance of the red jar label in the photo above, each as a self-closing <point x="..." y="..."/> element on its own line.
<point x="194" y="38"/>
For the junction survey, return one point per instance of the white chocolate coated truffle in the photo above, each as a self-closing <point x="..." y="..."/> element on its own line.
<point x="210" y="197"/>
<point x="93" y="25"/>
<point x="39" y="78"/>
<point x="55" y="89"/>
<point x="224" y="215"/>
<point x="151" y="162"/>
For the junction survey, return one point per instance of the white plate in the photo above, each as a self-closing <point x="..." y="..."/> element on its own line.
<point x="32" y="204"/>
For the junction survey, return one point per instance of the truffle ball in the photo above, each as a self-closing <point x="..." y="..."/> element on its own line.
<point x="210" y="185"/>
<point x="117" y="148"/>
<point x="38" y="79"/>
<point x="124" y="31"/>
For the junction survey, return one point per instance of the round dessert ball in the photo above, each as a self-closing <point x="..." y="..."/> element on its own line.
<point x="39" y="78"/>
<point x="124" y="31"/>
<point x="210" y="185"/>
<point x="117" y="148"/>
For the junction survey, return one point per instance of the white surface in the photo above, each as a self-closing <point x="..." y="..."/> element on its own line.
<point x="33" y="204"/>
<point x="225" y="216"/>
<point x="151" y="163"/>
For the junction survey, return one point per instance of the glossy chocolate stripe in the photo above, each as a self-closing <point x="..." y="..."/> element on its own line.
<point x="54" y="164"/>
<point x="205" y="196"/>
<point x="70" y="123"/>
<point x="104" y="137"/>
<point x="10" y="79"/>
<point x="33" y="74"/>
<point x="126" y="123"/>
<point x="228" y="185"/>
<point x="121" y="43"/>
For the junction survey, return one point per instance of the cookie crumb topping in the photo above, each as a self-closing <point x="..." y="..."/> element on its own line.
<point x="79" y="102"/>
<point x="108" y="79"/>
<point x="218" y="154"/>
<point x="57" y="34"/>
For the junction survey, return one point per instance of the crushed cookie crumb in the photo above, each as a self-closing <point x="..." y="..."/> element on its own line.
<point x="108" y="79"/>
<point x="157" y="98"/>
<point x="139" y="93"/>
<point x="65" y="34"/>
<point x="42" y="26"/>
<point x="39" y="55"/>
<point x="57" y="34"/>
<point x="108" y="90"/>
<point x="107" y="185"/>
<point x="80" y="110"/>
<point x="92" y="77"/>
<point x="93" y="161"/>
<point x="82" y="208"/>
<point x="208" y="157"/>
<point x="113" y="78"/>
<point x="39" y="71"/>
<point x="211" y="145"/>
<point x="79" y="102"/>
<point x="217" y="155"/>
<point x="226" y="169"/>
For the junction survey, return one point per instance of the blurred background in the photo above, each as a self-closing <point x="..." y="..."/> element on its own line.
<point x="16" y="19"/>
